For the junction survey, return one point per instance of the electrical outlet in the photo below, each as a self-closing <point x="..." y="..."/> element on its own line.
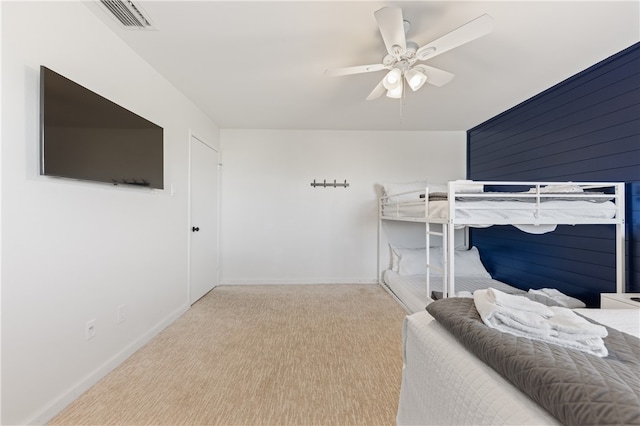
<point x="90" y="331"/>
<point x="122" y="313"/>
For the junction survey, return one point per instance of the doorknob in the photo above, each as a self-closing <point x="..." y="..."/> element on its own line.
<point x="195" y="229"/>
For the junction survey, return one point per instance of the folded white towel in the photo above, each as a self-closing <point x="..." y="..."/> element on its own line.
<point x="517" y="302"/>
<point x="557" y="297"/>
<point x="592" y="346"/>
<point x="552" y="292"/>
<point x="504" y="317"/>
<point x="523" y="322"/>
<point x="571" y="326"/>
<point x="533" y="320"/>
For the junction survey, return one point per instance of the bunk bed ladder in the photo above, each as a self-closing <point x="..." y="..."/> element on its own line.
<point x="378" y="262"/>
<point x="428" y="233"/>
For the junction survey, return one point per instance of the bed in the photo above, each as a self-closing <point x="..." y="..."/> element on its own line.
<point x="406" y="276"/>
<point x="445" y="382"/>
<point x="533" y="207"/>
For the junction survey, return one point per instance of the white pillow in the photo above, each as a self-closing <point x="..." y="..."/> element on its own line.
<point x="394" y="258"/>
<point x="561" y="188"/>
<point x="468" y="186"/>
<point x="398" y="188"/>
<point x="465" y="186"/>
<point x="558" y="188"/>
<point x="468" y="264"/>
<point x="412" y="255"/>
<point x="414" y="261"/>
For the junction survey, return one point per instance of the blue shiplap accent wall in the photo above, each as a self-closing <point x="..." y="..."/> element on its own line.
<point x="587" y="128"/>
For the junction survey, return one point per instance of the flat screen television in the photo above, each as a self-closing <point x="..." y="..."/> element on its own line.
<point x="85" y="136"/>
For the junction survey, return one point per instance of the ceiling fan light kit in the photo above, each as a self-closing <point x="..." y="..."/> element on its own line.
<point x="415" y="79"/>
<point x="402" y="55"/>
<point x="396" y="92"/>
<point x="392" y="79"/>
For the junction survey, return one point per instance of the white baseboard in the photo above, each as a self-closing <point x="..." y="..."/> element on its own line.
<point x="303" y="281"/>
<point x="92" y="378"/>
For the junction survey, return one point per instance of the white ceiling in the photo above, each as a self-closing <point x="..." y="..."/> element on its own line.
<point x="260" y="65"/>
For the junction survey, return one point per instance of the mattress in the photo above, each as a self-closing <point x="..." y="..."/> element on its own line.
<point x="523" y="215"/>
<point x="411" y="289"/>
<point x="444" y="383"/>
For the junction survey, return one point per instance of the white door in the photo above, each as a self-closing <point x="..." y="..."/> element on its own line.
<point x="203" y="268"/>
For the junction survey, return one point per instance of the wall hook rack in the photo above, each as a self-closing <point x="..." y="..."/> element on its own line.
<point x="335" y="184"/>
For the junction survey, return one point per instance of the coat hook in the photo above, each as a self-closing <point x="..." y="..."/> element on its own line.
<point x="324" y="183"/>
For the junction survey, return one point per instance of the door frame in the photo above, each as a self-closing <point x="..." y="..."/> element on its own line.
<point x="193" y="135"/>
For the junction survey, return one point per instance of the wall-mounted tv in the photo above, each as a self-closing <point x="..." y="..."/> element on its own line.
<point x="85" y="136"/>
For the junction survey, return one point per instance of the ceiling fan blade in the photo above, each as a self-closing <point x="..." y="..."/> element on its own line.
<point x="354" y="70"/>
<point x="376" y="92"/>
<point x="435" y="76"/>
<point x="391" y="27"/>
<point x="472" y="30"/>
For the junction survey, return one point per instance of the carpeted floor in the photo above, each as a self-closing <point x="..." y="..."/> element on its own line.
<point x="261" y="355"/>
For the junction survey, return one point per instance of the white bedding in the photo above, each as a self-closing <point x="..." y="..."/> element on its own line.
<point x="521" y="215"/>
<point x="625" y="320"/>
<point x="443" y="383"/>
<point x="411" y="289"/>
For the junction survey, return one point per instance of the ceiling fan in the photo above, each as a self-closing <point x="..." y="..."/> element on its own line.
<point x="403" y="57"/>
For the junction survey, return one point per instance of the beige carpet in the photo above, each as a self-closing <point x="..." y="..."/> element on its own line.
<point x="261" y="355"/>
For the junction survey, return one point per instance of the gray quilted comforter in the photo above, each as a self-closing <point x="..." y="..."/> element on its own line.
<point x="576" y="387"/>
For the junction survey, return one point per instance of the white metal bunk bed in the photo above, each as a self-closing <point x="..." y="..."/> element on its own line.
<point x="534" y="207"/>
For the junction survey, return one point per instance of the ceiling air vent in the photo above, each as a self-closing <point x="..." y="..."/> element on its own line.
<point x="128" y="14"/>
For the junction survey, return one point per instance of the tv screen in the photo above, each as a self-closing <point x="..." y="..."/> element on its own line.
<point x="85" y="136"/>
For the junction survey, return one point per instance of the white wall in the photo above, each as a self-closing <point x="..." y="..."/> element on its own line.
<point x="73" y="251"/>
<point x="278" y="229"/>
